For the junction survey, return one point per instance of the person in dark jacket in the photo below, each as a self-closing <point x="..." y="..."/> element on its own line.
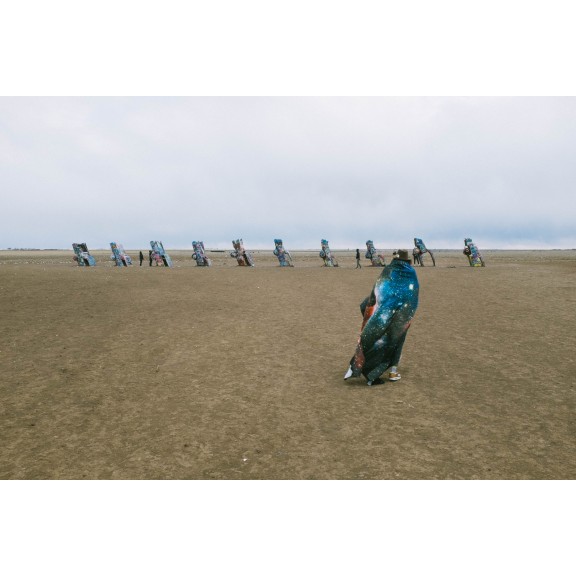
<point x="150" y="257"/>
<point x="141" y="256"/>
<point x="358" y="265"/>
<point x="387" y="312"/>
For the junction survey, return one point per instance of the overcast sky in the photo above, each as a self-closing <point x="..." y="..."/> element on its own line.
<point x="95" y="170"/>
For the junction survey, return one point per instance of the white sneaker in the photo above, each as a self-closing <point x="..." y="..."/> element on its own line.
<point x="394" y="376"/>
<point x="348" y="374"/>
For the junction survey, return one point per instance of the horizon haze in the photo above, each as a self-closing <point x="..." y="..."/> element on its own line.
<point x="499" y="170"/>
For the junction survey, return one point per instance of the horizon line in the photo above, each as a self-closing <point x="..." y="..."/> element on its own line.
<point x="215" y="249"/>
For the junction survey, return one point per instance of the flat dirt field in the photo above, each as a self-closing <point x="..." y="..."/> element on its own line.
<point x="237" y="373"/>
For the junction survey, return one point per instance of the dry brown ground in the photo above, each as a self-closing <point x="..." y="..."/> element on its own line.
<point x="236" y="373"/>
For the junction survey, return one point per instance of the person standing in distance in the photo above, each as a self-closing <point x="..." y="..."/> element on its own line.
<point x="358" y="265"/>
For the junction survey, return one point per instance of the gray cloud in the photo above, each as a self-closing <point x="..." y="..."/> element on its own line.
<point x="500" y="170"/>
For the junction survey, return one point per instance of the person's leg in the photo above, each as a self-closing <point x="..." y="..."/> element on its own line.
<point x="394" y="375"/>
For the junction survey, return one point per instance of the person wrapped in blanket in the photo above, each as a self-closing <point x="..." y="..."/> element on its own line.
<point x="387" y="313"/>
